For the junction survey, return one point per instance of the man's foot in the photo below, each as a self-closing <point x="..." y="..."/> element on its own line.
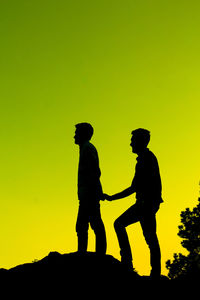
<point x="155" y="275"/>
<point x="82" y="252"/>
<point x="127" y="264"/>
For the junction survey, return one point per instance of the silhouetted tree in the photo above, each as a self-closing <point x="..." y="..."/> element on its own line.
<point x="187" y="266"/>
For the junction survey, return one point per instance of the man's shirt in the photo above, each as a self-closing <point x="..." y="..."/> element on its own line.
<point x="147" y="181"/>
<point x="89" y="185"/>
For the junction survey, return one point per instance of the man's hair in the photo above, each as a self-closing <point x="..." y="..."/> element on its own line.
<point x="141" y="135"/>
<point x="85" y="129"/>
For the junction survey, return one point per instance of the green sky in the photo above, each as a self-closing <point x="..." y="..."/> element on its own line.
<point x="119" y="65"/>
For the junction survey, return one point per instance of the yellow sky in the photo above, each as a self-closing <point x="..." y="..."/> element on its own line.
<point x="119" y="65"/>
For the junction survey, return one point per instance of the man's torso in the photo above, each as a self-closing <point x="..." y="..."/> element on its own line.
<point x="89" y="185"/>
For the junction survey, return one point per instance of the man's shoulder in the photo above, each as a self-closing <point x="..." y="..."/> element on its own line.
<point x="89" y="147"/>
<point x="150" y="153"/>
<point x="150" y="156"/>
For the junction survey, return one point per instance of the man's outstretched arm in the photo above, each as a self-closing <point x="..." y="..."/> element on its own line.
<point x="125" y="193"/>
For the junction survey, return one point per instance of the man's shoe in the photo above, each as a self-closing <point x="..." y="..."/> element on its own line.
<point x="155" y="275"/>
<point x="127" y="264"/>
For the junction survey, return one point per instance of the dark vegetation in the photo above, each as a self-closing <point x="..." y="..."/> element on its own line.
<point x="187" y="267"/>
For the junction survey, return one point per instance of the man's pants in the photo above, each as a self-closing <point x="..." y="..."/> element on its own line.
<point x="89" y="213"/>
<point x="147" y="219"/>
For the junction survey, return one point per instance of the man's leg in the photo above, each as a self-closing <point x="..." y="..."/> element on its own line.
<point x="99" y="229"/>
<point x="130" y="216"/>
<point x="148" y="224"/>
<point x="82" y="228"/>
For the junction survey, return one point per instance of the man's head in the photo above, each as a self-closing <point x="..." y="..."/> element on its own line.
<point x="140" y="139"/>
<point x="83" y="133"/>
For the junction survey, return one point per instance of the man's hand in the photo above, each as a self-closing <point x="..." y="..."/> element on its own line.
<point x="107" y="197"/>
<point x="103" y="197"/>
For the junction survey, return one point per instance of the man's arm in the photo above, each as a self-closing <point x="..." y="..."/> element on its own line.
<point x="92" y="162"/>
<point x="125" y="193"/>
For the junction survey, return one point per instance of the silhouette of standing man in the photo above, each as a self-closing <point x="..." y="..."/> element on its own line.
<point x="89" y="191"/>
<point x="147" y="186"/>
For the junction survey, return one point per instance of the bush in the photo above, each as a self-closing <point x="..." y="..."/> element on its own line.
<point x="187" y="267"/>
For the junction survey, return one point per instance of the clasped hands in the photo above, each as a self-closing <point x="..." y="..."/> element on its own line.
<point x="106" y="197"/>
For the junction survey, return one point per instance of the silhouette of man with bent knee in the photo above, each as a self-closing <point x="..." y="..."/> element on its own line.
<point x="89" y="191"/>
<point x="147" y="186"/>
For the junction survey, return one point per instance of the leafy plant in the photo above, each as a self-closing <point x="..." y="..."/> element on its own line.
<point x="187" y="266"/>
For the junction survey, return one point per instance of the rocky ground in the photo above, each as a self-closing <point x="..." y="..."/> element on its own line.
<point x="87" y="276"/>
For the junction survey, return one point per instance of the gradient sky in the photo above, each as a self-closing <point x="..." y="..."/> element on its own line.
<point x="119" y="65"/>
